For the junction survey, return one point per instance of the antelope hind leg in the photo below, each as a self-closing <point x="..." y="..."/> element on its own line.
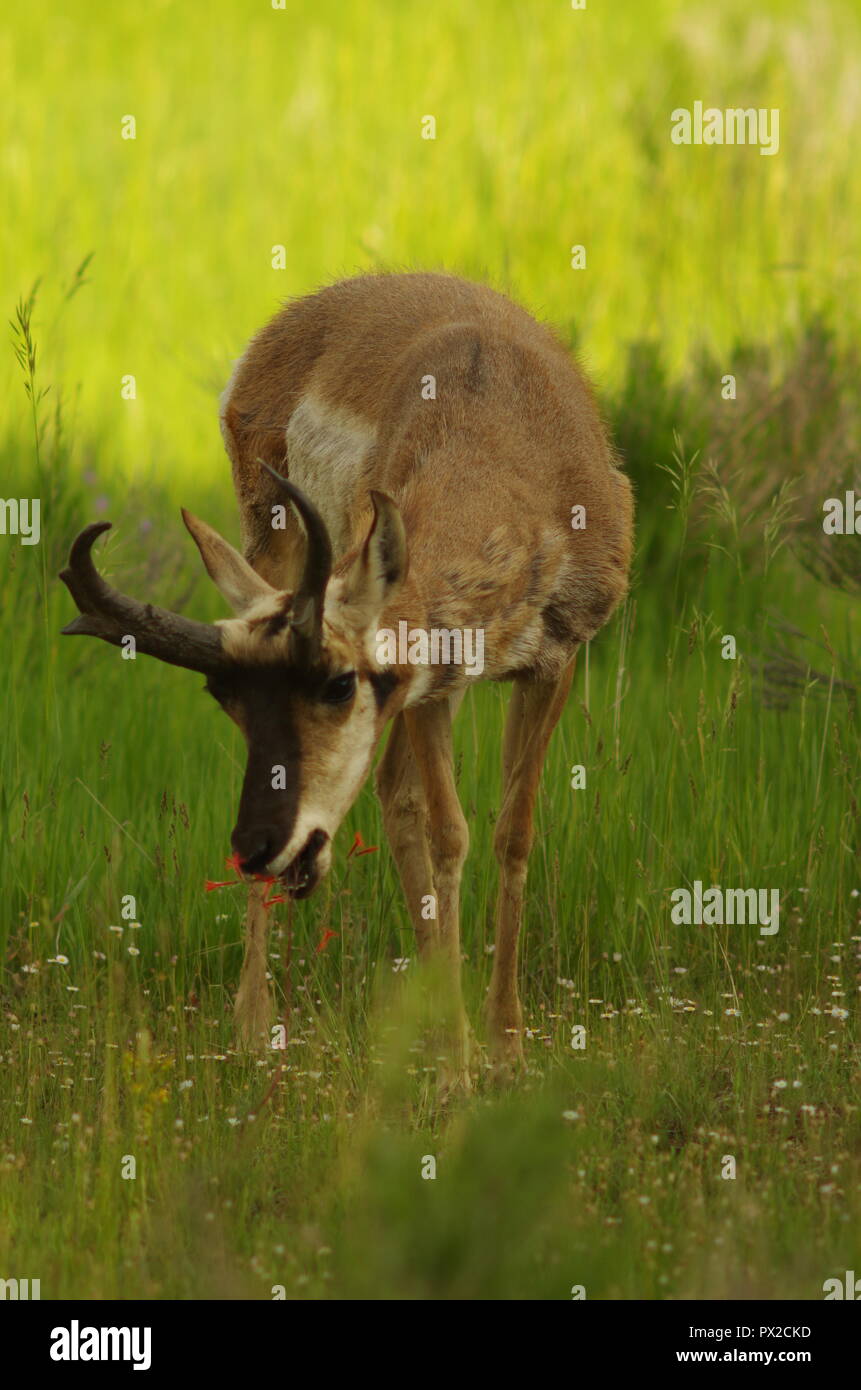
<point x="532" y="716"/>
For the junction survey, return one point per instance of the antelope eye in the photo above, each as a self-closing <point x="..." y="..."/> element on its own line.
<point x="340" y="689"/>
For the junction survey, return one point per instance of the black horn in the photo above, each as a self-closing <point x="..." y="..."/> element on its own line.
<point x="307" y="615"/>
<point x="110" y="615"/>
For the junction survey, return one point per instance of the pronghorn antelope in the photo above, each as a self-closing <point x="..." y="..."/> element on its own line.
<point x="436" y="439"/>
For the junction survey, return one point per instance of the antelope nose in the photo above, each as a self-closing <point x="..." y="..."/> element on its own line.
<point x="253" y="848"/>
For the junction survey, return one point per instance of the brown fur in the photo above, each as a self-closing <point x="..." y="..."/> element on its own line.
<point x="512" y="442"/>
<point x="485" y="477"/>
<point x="451" y="513"/>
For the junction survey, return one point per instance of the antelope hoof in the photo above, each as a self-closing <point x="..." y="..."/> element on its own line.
<point x="506" y="1052"/>
<point x="253" y="1015"/>
<point x="453" y="1074"/>
<point x="453" y="1080"/>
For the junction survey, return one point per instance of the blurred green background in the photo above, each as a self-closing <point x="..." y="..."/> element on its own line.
<point x="301" y="127"/>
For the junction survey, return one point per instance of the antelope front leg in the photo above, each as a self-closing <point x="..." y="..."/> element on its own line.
<point x="429" y="728"/>
<point x="532" y="716"/>
<point x="253" y="1010"/>
<point x="402" y="797"/>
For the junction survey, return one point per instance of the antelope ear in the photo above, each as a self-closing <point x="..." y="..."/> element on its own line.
<point x="232" y="575"/>
<point x="381" y="568"/>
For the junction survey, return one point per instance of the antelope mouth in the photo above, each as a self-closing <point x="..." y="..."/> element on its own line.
<point x="302" y="875"/>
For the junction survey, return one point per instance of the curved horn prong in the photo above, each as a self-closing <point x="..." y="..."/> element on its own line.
<point x="112" y="616"/>
<point x="307" y="619"/>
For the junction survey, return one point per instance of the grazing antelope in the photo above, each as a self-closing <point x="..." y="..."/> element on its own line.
<point x="406" y="449"/>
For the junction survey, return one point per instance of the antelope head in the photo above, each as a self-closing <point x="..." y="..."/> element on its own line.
<point x="295" y="670"/>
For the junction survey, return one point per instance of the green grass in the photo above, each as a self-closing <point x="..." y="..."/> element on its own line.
<point x="602" y="1167"/>
<point x="302" y="128"/>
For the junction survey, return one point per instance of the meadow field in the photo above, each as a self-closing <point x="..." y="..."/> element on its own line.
<point x="292" y="138"/>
